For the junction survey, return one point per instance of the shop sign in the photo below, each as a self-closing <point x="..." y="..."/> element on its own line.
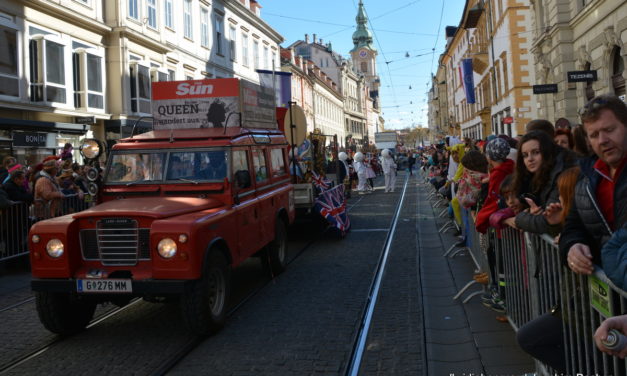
<point x="508" y="120"/>
<point x="545" y="89"/>
<point x="85" y="120"/>
<point x="29" y="139"/>
<point x="582" y="76"/>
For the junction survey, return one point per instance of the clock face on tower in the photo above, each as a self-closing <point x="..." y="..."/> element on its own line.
<point x="363" y="53"/>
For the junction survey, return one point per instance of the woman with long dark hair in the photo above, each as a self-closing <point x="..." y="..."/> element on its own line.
<point x="539" y="163"/>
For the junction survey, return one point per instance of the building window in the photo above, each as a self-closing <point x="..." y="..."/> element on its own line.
<point x="256" y="54"/>
<point x="133" y="10"/>
<point x="169" y="16"/>
<point x="266" y="57"/>
<point x="47" y="71"/>
<point x="151" y="10"/>
<point x="204" y="27"/>
<point x="9" y="77"/>
<point x="87" y="78"/>
<point x="219" y="32"/>
<point x="245" y="49"/>
<point x="233" y="43"/>
<point x="140" y="88"/>
<point x="172" y="74"/>
<point x="364" y="67"/>
<point x="187" y="19"/>
<point x="158" y="75"/>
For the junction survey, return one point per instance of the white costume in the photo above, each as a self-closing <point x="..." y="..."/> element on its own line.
<point x="360" y="169"/>
<point x="389" y="170"/>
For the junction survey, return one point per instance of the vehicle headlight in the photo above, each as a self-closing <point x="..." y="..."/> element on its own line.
<point x="166" y="248"/>
<point x="54" y="248"/>
<point x="90" y="149"/>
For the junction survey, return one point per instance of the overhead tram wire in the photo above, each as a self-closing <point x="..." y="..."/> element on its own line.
<point x="438" y="34"/>
<point x="376" y="18"/>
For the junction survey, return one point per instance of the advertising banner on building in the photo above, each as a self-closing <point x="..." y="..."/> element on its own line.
<point x="212" y="104"/>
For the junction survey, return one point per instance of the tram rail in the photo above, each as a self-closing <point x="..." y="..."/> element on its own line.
<point x="41" y="349"/>
<point x="352" y="369"/>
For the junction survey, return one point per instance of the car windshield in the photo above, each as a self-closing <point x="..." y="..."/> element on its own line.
<point x="136" y="167"/>
<point x="174" y="166"/>
<point x="203" y="165"/>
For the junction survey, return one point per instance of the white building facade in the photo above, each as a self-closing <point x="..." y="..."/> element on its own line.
<point x="74" y="66"/>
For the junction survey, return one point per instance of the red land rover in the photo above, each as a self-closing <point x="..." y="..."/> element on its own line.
<point x="178" y="210"/>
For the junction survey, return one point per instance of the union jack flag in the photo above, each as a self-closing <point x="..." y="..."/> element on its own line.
<point x="331" y="204"/>
<point x="321" y="182"/>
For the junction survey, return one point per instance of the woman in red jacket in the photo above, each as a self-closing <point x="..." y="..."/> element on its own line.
<point x="500" y="166"/>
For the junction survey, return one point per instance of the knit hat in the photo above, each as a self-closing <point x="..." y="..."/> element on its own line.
<point x="497" y="149"/>
<point x="49" y="164"/>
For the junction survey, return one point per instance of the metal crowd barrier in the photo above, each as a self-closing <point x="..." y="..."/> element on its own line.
<point x="473" y="247"/>
<point x="536" y="282"/>
<point x="14" y="224"/>
<point x="15" y="221"/>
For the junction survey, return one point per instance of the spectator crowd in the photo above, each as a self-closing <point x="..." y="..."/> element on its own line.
<point x="568" y="182"/>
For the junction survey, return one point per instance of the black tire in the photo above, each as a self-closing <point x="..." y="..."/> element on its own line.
<point x="64" y="314"/>
<point x="276" y="251"/>
<point x="203" y="305"/>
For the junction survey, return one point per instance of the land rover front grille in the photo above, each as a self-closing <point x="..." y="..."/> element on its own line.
<point x="116" y="241"/>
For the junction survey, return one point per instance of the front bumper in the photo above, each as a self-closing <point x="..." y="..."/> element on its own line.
<point x="156" y="287"/>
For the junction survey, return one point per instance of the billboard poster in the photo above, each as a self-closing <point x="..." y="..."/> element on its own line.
<point x="211" y="104"/>
<point x="258" y="110"/>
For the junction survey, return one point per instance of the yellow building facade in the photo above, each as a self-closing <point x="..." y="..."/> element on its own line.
<point x="494" y="36"/>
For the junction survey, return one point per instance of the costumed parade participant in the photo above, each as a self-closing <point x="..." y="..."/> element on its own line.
<point x="362" y="178"/>
<point x="344" y="174"/>
<point x="389" y="170"/>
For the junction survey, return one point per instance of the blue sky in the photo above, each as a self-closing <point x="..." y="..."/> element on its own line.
<point x="400" y="27"/>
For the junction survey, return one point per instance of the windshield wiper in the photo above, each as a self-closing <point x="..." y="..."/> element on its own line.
<point x="188" y="180"/>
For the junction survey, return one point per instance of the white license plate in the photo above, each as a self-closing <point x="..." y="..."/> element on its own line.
<point x="104" y="285"/>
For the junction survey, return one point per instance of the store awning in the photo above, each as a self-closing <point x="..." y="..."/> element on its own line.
<point x="43" y="126"/>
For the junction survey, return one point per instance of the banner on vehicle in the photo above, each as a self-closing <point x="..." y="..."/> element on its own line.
<point x="212" y="104"/>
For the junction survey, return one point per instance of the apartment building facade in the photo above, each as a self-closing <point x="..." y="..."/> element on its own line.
<point x="84" y="67"/>
<point x="578" y="36"/>
<point x="493" y="36"/>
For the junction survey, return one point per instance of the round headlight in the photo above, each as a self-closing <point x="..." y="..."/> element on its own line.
<point x="54" y="248"/>
<point x="167" y="248"/>
<point x="90" y="149"/>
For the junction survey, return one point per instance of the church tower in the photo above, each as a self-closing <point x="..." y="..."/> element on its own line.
<point x="364" y="55"/>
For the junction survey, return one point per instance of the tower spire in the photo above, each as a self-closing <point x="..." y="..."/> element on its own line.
<point x="362" y="36"/>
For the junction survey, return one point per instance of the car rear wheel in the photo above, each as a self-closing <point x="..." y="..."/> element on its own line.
<point x="203" y="305"/>
<point x="64" y="314"/>
<point x="277" y="249"/>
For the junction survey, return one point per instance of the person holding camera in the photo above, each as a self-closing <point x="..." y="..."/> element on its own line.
<point x="539" y="163"/>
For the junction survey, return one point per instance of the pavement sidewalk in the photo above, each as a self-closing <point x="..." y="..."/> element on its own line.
<point x="461" y="339"/>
